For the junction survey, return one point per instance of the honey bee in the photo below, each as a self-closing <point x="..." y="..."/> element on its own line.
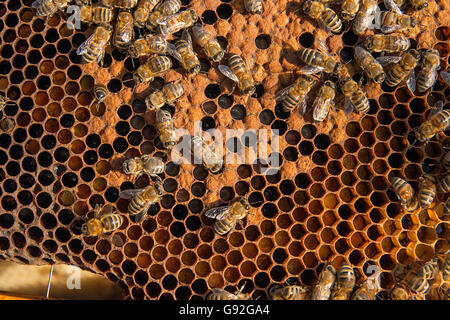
<point x="96" y="15"/>
<point x="176" y="22"/>
<point x="364" y="16"/>
<point x="104" y="221"/>
<point x="220" y="294"/>
<point x="164" y="9"/>
<point x="47" y="8"/>
<point x="142" y="199"/>
<point x="125" y="4"/>
<point x="418" y="284"/>
<point x="318" y="61"/>
<point x="151" y="68"/>
<point x="183" y="52"/>
<point x="439" y="121"/>
<point x="228" y="216"/>
<point x="427" y="191"/>
<point x="429" y="270"/>
<point x="238" y="72"/>
<point x="100" y="94"/>
<point x="405" y="193"/>
<point x="148" y="45"/>
<point x="324" y="101"/>
<point x="124" y="32"/>
<point x="208" y="157"/>
<point x="143" y="11"/>
<point x="164" y="125"/>
<point x="355" y="97"/>
<point x="369" y="65"/>
<point x="168" y="94"/>
<point x="6" y="124"/>
<point x="386" y="43"/>
<point x="319" y="12"/>
<point x="349" y="9"/>
<point x="392" y="21"/>
<point x="369" y="288"/>
<point x="444" y="185"/>
<point x="254" y="6"/>
<point x="430" y="65"/>
<point x="404" y="68"/>
<point x="94" y="46"/>
<point x="345" y="282"/>
<point x="295" y="94"/>
<point x="144" y="164"/>
<point x="209" y="44"/>
<point x="290" y="292"/>
<point x="322" y="290"/>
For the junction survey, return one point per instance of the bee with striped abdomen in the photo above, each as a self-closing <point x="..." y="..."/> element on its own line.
<point x="327" y="277"/>
<point x="153" y="67"/>
<point x="96" y="15"/>
<point x="183" y="52"/>
<point x="355" y="96"/>
<point x="209" y="44"/>
<point x="386" y="43"/>
<point x="428" y="73"/>
<point x="295" y="95"/>
<point x="93" y="49"/>
<point x="349" y="9"/>
<point x="209" y="158"/>
<point x="47" y="8"/>
<point x="324" y="100"/>
<point x="364" y="16"/>
<point x="177" y="22"/>
<point x="345" y="282"/>
<point x="142" y="199"/>
<point x="418" y="284"/>
<point x="392" y="21"/>
<point x="149" y="45"/>
<point x="427" y="191"/>
<point x="254" y="6"/>
<point x="124" y="32"/>
<point x="371" y="67"/>
<point x="167" y="95"/>
<point x="100" y="94"/>
<point x="228" y="216"/>
<point x="220" y="294"/>
<point x="405" y="193"/>
<point x="144" y="164"/>
<point x="438" y="121"/>
<point x="289" y="292"/>
<point x="318" y="61"/>
<point x="164" y="9"/>
<point x="143" y="12"/>
<point x="369" y="288"/>
<point x="164" y="125"/>
<point x="239" y="73"/>
<point x="104" y="221"/>
<point x="321" y="13"/>
<point x="404" y="69"/>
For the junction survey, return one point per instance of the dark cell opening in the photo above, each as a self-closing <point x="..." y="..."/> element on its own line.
<point x="114" y="85"/>
<point x="347" y="54"/>
<point x="263" y="41"/>
<point x="224" y="11"/>
<point x="44" y="200"/>
<point x="212" y="91"/>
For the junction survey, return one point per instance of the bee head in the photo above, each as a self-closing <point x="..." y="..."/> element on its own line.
<point x="84" y="229"/>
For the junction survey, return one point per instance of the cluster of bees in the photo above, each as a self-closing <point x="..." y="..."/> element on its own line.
<point x="412" y="283"/>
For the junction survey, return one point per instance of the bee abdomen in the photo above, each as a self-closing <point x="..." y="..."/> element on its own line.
<point x="394" y="76"/>
<point x="224" y="226"/>
<point x="419" y="285"/>
<point x="360" y="102"/>
<point x="290" y="102"/>
<point x="136" y="204"/>
<point x="426" y="197"/>
<point x="424" y="81"/>
<point x="445" y="184"/>
<point x="310" y="56"/>
<point x="102" y="15"/>
<point x="332" y="20"/>
<point x="236" y="64"/>
<point x="112" y="222"/>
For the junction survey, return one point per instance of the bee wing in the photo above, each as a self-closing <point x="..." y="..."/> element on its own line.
<point x="411" y="82"/>
<point x="186" y="36"/>
<point x="173" y="52"/>
<point x="226" y="71"/>
<point x="123" y="32"/>
<point x="321" y="108"/>
<point x="303" y="104"/>
<point x="219" y="213"/>
<point x="130" y="193"/>
<point x="140" y="216"/>
<point x="82" y="49"/>
<point x="348" y="106"/>
<point x="310" y="70"/>
<point x="390" y="29"/>
<point x="223" y="293"/>
<point x="385" y="60"/>
<point x="279" y="95"/>
<point x="446" y="77"/>
<point x="321" y="45"/>
<point x="436" y="108"/>
<point x="391" y="5"/>
<point x="107" y="210"/>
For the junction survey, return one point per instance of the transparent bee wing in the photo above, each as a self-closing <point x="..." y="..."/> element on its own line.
<point x="82" y="49"/>
<point x="389" y="29"/>
<point x="36" y="4"/>
<point x="123" y="33"/>
<point x="348" y="106"/>
<point x="321" y="108"/>
<point x="411" y="82"/>
<point x="391" y="5"/>
<point x="433" y="78"/>
<point x="279" y="95"/>
<point x="303" y="103"/>
<point x="385" y="60"/>
<point x="226" y="71"/>
<point x="310" y="70"/>
<point x="140" y="216"/>
<point x="219" y="213"/>
<point x="446" y="77"/>
<point x="173" y="52"/>
<point x="100" y="58"/>
<point x="130" y="193"/>
<point x="436" y="108"/>
<point x="321" y="45"/>
<point x="107" y="210"/>
<point x="187" y="37"/>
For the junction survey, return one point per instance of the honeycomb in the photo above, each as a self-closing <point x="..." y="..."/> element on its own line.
<point x="329" y="201"/>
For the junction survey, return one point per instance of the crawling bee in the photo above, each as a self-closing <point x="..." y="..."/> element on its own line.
<point x="164" y="9"/>
<point x="392" y="21"/>
<point x="254" y="6"/>
<point x="220" y="294"/>
<point x="93" y="49"/>
<point x="356" y="98"/>
<point x="369" y="65"/>
<point x="322" y="290"/>
<point x="177" y="22"/>
<point x="204" y="152"/>
<point x="151" y="68"/>
<point x="369" y="288"/>
<point x="164" y="125"/>
<point x="405" y="193"/>
<point x="427" y="75"/>
<point x="319" y="12"/>
<point x="404" y="69"/>
<point x="228" y="216"/>
<point x="183" y="52"/>
<point x="47" y="8"/>
<point x="104" y="221"/>
<point x="386" y="43"/>
<point x="142" y="199"/>
<point x="324" y="101"/>
<point x="148" y="45"/>
<point x="124" y="4"/>
<point x="349" y="9"/>
<point x="209" y="44"/>
<point x="318" y="61"/>
<point x="364" y="16"/>
<point x="444" y="185"/>
<point x="290" y="292"/>
<point x="96" y="15"/>
<point x="238" y="72"/>
<point x="437" y="123"/>
<point x="124" y="32"/>
<point x="143" y="12"/>
<point x="100" y="94"/>
<point x="429" y="270"/>
<point x="6" y="124"/>
<point x="345" y="282"/>
<point x="144" y="164"/>
<point x="295" y="94"/>
<point x="427" y="191"/>
<point x="168" y="94"/>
